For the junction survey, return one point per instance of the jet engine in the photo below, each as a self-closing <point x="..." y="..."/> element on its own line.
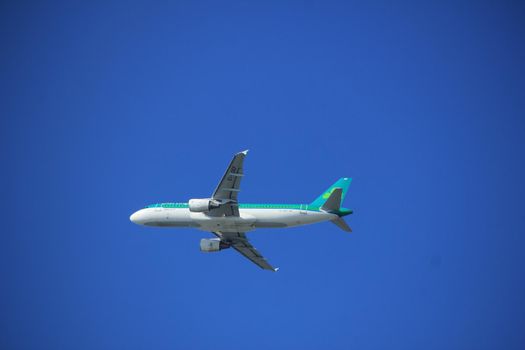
<point x="203" y="205"/>
<point x="213" y="245"/>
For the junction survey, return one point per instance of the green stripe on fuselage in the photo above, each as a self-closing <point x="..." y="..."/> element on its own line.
<point x="341" y="212"/>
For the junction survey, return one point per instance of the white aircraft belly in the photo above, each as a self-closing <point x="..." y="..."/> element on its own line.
<point x="268" y="218"/>
<point x="248" y="220"/>
<point x="243" y="223"/>
<point x="165" y="217"/>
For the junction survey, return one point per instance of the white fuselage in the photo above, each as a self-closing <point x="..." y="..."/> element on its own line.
<point x="248" y="219"/>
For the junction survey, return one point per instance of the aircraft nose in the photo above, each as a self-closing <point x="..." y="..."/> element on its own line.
<point x="135" y="217"/>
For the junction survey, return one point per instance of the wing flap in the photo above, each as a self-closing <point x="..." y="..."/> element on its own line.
<point x="239" y="242"/>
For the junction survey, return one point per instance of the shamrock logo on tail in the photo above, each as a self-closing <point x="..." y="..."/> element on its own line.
<point x="327" y="194"/>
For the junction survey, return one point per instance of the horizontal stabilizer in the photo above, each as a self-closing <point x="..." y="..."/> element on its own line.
<point x="333" y="203"/>
<point x="341" y="223"/>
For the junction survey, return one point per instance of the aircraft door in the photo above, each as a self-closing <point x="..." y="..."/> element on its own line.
<point x="303" y="209"/>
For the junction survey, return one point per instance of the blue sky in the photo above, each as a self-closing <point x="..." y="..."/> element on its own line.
<point x="108" y="107"/>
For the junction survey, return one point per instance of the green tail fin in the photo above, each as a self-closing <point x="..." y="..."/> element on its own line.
<point x="342" y="183"/>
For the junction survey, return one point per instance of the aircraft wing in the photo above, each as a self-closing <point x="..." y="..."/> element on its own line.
<point x="240" y="243"/>
<point x="231" y="180"/>
<point x="230" y="184"/>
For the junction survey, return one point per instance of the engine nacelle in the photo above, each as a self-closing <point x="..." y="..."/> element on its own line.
<point x="213" y="245"/>
<point x="202" y="205"/>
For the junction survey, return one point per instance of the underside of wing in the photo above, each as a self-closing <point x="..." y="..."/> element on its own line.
<point x="231" y="180"/>
<point x="230" y="209"/>
<point x="239" y="242"/>
<point x="246" y="249"/>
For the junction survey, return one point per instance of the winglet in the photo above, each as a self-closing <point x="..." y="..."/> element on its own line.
<point x="276" y="269"/>
<point x="245" y="152"/>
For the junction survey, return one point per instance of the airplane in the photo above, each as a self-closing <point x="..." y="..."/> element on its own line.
<point x="228" y="220"/>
